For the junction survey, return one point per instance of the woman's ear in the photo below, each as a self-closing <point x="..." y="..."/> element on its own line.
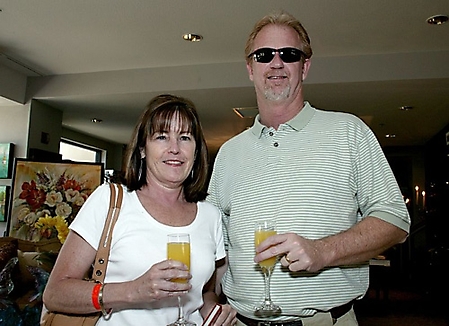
<point x="142" y="153"/>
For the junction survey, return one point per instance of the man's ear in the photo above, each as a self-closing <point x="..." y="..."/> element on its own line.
<point x="249" y="67"/>
<point x="305" y="68"/>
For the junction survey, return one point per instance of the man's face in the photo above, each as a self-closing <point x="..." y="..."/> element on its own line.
<point x="277" y="80"/>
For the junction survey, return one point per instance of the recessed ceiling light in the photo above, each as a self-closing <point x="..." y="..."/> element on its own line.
<point x="192" y="37"/>
<point x="390" y="136"/>
<point x="95" y="120"/>
<point x="406" y="108"/>
<point x="437" y="19"/>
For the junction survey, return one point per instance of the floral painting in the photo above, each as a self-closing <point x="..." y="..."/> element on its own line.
<point x="47" y="196"/>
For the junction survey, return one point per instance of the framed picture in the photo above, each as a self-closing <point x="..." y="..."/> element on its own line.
<point x="7" y="158"/>
<point x="46" y="197"/>
<point x="4" y="200"/>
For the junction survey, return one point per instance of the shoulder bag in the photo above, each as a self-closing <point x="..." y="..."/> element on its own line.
<point x="50" y="318"/>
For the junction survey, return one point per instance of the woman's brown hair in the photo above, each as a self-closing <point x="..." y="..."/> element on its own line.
<point x="157" y="117"/>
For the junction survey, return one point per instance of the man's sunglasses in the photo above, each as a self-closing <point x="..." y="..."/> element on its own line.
<point x="288" y="55"/>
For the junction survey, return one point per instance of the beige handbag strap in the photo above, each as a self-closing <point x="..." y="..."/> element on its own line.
<point x="102" y="257"/>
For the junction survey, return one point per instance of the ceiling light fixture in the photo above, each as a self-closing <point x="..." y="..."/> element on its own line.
<point x="192" y="37"/>
<point x="406" y="108"/>
<point x="95" y="120"/>
<point x="390" y="136"/>
<point x="437" y="19"/>
<point x="247" y="112"/>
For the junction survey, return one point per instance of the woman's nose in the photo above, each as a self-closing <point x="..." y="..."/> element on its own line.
<point x="174" y="147"/>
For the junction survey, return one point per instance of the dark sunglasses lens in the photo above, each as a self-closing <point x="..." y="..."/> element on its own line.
<point x="289" y="55"/>
<point x="264" y="55"/>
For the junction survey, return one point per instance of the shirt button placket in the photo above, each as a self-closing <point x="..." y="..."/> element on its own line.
<point x="272" y="157"/>
<point x="271" y="134"/>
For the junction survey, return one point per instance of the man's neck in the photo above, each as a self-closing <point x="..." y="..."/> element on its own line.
<point x="273" y="114"/>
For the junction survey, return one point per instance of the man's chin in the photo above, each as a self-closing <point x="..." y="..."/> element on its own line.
<point x="277" y="96"/>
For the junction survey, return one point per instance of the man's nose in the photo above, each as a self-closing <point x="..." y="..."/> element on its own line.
<point x="277" y="61"/>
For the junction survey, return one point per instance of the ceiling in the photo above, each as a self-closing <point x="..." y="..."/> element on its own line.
<point x="106" y="59"/>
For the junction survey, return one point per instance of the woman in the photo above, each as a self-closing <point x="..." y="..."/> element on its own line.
<point x="165" y="172"/>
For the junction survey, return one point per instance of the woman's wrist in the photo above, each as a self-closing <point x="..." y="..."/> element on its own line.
<point x="106" y="312"/>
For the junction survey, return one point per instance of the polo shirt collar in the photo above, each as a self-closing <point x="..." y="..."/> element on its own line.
<point x="297" y="123"/>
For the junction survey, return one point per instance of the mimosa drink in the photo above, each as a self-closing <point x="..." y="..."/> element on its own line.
<point x="179" y="251"/>
<point x="178" y="248"/>
<point x="259" y="237"/>
<point x="263" y="230"/>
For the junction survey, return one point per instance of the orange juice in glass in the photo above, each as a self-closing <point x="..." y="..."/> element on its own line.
<point x="178" y="248"/>
<point x="262" y="233"/>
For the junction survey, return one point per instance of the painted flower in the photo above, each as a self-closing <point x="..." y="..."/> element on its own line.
<point x="53" y="226"/>
<point x="34" y="197"/>
<point x="30" y="218"/>
<point x="63" y="209"/>
<point x="53" y="198"/>
<point x="22" y="213"/>
<point x="71" y="195"/>
<point x="79" y="201"/>
<point x="72" y="184"/>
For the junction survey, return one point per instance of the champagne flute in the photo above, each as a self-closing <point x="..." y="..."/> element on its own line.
<point x="178" y="248"/>
<point x="263" y="230"/>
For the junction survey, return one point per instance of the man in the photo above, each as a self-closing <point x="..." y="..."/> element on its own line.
<point x="320" y="175"/>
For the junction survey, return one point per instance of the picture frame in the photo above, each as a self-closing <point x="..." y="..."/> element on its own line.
<point x="6" y="160"/>
<point x="46" y="196"/>
<point x="4" y="201"/>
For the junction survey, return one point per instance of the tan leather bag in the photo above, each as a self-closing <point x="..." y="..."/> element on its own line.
<point x="50" y="318"/>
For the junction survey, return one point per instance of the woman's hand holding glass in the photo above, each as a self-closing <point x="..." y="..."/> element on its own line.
<point x="155" y="284"/>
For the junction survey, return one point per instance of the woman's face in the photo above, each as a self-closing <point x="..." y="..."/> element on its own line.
<point x="169" y="155"/>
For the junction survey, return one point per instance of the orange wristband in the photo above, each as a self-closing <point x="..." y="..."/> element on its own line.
<point x="95" y="294"/>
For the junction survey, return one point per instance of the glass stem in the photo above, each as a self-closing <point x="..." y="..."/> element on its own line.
<point x="267" y="277"/>
<point x="180" y="310"/>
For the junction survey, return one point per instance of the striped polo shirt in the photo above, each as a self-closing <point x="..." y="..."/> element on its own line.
<point x="316" y="175"/>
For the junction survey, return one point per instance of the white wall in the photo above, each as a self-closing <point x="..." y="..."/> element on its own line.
<point x="14" y="124"/>
<point x="12" y="84"/>
<point x="44" y="119"/>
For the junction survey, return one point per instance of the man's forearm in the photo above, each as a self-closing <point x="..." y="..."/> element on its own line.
<point x="363" y="241"/>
